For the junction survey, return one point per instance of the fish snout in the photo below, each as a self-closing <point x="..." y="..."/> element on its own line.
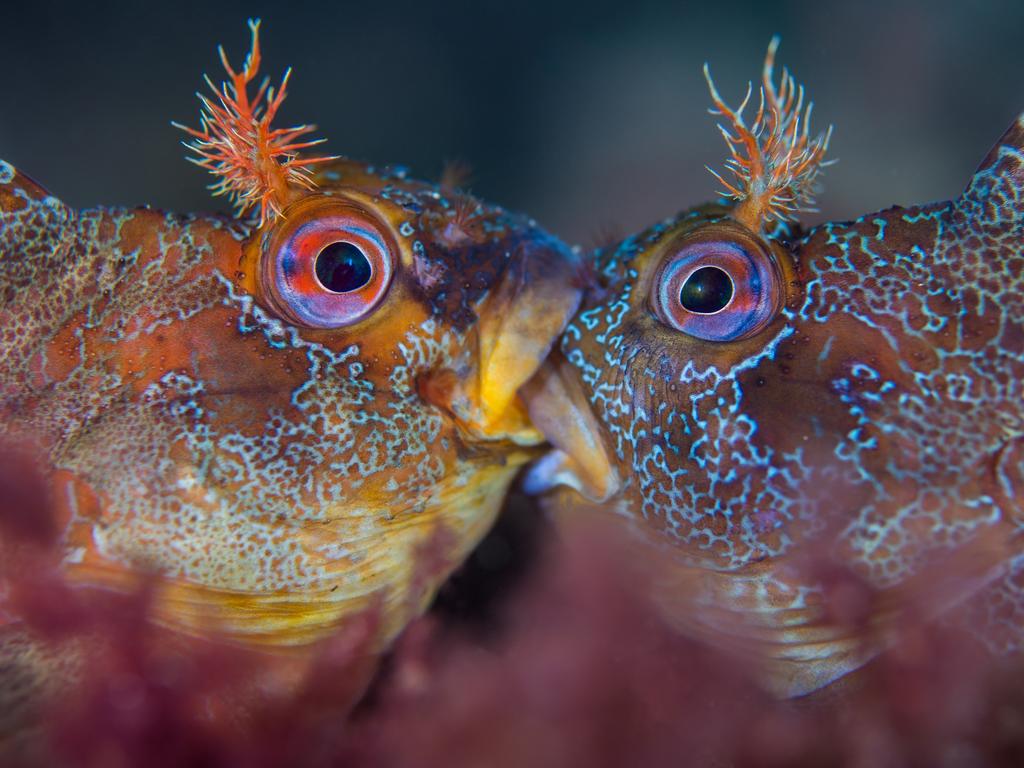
<point x="517" y="323"/>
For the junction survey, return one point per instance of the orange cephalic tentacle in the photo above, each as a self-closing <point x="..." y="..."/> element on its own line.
<point x="255" y="164"/>
<point x="774" y="162"/>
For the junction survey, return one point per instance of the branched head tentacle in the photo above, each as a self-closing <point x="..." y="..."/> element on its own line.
<point x="774" y="163"/>
<point x="255" y="164"/>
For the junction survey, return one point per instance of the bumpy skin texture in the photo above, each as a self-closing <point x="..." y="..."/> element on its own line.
<point x="877" y="420"/>
<point x="278" y="478"/>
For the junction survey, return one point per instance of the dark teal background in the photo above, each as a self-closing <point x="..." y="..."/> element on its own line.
<point x="591" y="116"/>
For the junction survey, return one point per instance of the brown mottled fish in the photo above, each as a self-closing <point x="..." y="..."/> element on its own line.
<point x="781" y="410"/>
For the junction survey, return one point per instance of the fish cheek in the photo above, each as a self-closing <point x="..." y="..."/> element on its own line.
<point x="675" y="437"/>
<point x="827" y="405"/>
<point x="802" y="413"/>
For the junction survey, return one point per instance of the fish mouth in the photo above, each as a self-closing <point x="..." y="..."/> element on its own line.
<point x="579" y="459"/>
<point x="517" y="325"/>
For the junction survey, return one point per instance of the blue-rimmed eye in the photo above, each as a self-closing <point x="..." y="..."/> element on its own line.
<point x="717" y="289"/>
<point x="330" y="265"/>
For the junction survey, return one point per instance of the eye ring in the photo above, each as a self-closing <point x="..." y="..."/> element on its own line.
<point x="715" y="313"/>
<point x="303" y="289"/>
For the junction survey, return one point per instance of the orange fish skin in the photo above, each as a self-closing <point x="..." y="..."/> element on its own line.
<point x="279" y="478"/>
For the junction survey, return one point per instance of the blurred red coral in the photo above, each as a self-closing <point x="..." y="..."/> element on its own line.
<point x="573" y="667"/>
<point x="25" y="515"/>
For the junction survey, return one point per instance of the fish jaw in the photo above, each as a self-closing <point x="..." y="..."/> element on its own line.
<point x="580" y="459"/>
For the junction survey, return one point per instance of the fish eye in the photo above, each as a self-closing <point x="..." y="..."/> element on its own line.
<point x="717" y="288"/>
<point x="329" y="266"/>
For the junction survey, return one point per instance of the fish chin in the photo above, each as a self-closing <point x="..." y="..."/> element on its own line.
<point x="360" y="559"/>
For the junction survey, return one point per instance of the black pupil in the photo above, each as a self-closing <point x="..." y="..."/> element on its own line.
<point x="342" y="267"/>
<point x="706" y="291"/>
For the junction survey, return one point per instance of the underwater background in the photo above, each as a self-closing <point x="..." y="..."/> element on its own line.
<point x="592" y="117"/>
<point x="575" y="112"/>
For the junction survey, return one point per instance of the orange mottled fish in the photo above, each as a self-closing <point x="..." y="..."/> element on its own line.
<point x="284" y="415"/>
<point x="803" y="420"/>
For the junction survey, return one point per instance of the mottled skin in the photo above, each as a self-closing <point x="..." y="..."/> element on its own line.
<point x="278" y="478"/>
<point x="875" y="422"/>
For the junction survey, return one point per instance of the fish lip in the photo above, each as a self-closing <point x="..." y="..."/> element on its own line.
<point x="518" y="324"/>
<point x="579" y="458"/>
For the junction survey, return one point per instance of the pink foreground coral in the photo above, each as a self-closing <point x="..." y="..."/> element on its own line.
<point x="574" y="668"/>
